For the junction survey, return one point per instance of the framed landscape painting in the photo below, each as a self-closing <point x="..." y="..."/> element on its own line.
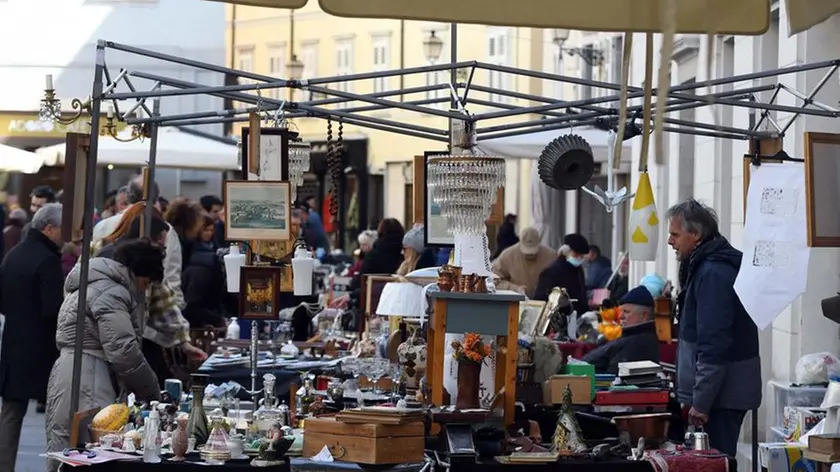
<point x="257" y="210"/>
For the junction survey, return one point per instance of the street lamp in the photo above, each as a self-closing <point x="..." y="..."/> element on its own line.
<point x="295" y="68"/>
<point x="432" y="46"/>
<point x="590" y="54"/>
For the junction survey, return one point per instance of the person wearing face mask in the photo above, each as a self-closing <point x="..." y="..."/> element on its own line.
<point x="520" y="265"/>
<point x="566" y="272"/>
<point x="718" y="363"/>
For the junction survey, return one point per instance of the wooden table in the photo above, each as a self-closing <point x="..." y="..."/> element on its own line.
<point x="495" y="314"/>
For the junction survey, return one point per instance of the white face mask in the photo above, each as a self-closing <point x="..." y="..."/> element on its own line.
<point x="575" y="261"/>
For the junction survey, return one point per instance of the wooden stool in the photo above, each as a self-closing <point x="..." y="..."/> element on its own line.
<point x="495" y="314"/>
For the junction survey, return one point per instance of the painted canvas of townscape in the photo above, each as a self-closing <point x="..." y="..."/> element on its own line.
<point x="257" y="210"/>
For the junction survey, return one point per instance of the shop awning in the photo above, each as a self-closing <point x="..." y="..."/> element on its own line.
<point x="743" y="17"/>
<point x="176" y="148"/>
<point x="530" y="146"/>
<point x="13" y="159"/>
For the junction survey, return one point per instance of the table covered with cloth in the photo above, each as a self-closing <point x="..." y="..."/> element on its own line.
<point x="192" y="464"/>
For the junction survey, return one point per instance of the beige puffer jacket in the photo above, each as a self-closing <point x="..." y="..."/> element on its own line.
<point x="112" y="347"/>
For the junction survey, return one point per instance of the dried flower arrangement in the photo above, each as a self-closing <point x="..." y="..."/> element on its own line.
<point x="471" y="349"/>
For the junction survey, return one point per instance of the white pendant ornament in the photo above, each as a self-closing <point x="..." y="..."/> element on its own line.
<point x="610" y="197"/>
<point x="644" y="222"/>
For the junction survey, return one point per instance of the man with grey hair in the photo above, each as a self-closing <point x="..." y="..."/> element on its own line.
<point x="718" y="364"/>
<point x="172" y="263"/>
<point x="31" y="293"/>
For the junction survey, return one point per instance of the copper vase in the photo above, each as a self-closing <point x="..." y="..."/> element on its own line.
<point x="469" y="373"/>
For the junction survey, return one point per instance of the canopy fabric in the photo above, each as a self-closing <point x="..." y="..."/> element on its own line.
<point x="530" y="146"/>
<point x="175" y="148"/>
<point x="803" y="14"/>
<point x="546" y="210"/>
<point x="743" y="17"/>
<point x="13" y="159"/>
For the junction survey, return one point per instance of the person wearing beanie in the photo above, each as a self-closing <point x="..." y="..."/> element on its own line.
<point x="415" y="255"/>
<point x="567" y="272"/>
<point x="519" y="266"/>
<point x="638" y="341"/>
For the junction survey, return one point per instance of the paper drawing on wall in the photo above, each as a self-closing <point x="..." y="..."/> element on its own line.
<point x="644" y="222"/>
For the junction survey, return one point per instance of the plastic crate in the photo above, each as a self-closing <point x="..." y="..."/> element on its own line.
<point x="781" y="395"/>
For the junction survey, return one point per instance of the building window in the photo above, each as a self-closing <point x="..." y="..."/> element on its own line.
<point x="381" y="61"/>
<point x="344" y="65"/>
<point x="557" y="69"/>
<point x="587" y="70"/>
<point x="433" y="78"/>
<point x="245" y="63"/>
<point x="309" y="57"/>
<point x="498" y="53"/>
<point x="277" y="67"/>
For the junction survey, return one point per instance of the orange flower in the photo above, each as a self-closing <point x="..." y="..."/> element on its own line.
<point x="486" y="350"/>
<point x="474" y="356"/>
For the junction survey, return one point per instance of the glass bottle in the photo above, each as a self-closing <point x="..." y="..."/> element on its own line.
<point x="197" y="425"/>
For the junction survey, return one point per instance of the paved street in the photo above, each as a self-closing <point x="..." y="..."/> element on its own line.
<point x="32" y="443"/>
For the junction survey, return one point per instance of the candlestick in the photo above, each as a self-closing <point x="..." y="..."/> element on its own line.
<point x="49" y="82"/>
<point x="110" y="111"/>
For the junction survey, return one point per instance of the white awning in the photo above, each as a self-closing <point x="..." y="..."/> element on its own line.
<point x="13" y="159"/>
<point x="530" y="146"/>
<point x="175" y="148"/>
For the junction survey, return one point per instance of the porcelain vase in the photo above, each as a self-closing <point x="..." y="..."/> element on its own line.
<point x="180" y="441"/>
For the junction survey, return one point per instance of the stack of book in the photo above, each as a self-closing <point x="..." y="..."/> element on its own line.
<point x="824" y="448"/>
<point x="641" y="374"/>
<point x="382" y="415"/>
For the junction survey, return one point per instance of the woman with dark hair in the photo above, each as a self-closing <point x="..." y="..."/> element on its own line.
<point x="387" y="253"/>
<point x="166" y="339"/>
<point x="203" y="281"/>
<point x="113" y="329"/>
<point x="506" y="237"/>
<point x="187" y="220"/>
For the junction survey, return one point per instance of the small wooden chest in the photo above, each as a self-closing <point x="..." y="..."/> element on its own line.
<point x="365" y="443"/>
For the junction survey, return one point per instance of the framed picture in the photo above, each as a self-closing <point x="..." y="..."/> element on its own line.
<point x="257" y="210"/>
<point x="435" y="228"/>
<point x="822" y="166"/>
<point x="272" y="162"/>
<point x="529" y="316"/>
<point x="259" y="292"/>
<point x="74" y="178"/>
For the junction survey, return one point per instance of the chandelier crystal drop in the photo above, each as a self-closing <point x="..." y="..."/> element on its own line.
<point x="465" y="187"/>
<point x="299" y="158"/>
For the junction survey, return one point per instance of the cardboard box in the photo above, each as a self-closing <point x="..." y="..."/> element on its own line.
<point x="586" y="369"/>
<point x="581" y="386"/>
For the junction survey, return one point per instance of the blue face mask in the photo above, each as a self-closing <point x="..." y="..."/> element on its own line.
<point x="575" y="261"/>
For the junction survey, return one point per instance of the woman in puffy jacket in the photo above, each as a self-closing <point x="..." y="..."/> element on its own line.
<point x="112" y="359"/>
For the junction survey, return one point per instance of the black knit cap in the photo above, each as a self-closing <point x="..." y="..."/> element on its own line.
<point x="577" y="243"/>
<point x="638" y="296"/>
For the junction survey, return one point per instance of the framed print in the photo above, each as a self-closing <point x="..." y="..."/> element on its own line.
<point x="530" y="313"/>
<point x="822" y="166"/>
<point x="75" y="176"/>
<point x="259" y="289"/>
<point x="272" y="162"/>
<point x="257" y="210"/>
<point x="435" y="228"/>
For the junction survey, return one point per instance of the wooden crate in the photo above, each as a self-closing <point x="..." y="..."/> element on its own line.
<point x="365" y="443"/>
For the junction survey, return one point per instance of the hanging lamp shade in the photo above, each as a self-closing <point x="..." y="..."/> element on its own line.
<point x="566" y="163"/>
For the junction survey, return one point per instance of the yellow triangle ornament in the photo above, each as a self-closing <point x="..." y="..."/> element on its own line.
<point x="644" y="221"/>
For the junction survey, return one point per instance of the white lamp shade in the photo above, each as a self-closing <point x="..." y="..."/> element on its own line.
<point x="234" y="262"/>
<point x="303" y="266"/>
<point x="401" y="299"/>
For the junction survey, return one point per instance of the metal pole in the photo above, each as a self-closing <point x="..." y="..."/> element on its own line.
<point x="387" y="103"/>
<point x="807" y="101"/>
<point x="87" y="229"/>
<point x="153" y="144"/>
<point x="453" y="60"/>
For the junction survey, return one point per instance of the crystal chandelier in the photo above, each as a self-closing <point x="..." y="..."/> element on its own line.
<point x="464" y="185"/>
<point x="299" y="153"/>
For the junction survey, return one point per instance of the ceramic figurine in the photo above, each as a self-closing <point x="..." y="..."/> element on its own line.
<point x="568" y="438"/>
<point x="180" y="441"/>
<point x="412" y="356"/>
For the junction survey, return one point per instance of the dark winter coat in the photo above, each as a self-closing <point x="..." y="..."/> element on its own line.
<point x="385" y="258"/>
<point x="31" y="293"/>
<point x="637" y="343"/>
<point x="505" y="238"/>
<point x="564" y="275"/>
<point x="718" y="364"/>
<point x="598" y="273"/>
